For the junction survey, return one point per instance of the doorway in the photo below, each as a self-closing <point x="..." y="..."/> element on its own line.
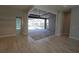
<point x="41" y="24"/>
<point x="38" y="28"/>
<point x="66" y="23"/>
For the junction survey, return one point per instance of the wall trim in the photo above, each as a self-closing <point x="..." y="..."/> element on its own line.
<point x="8" y="35"/>
<point x="76" y="38"/>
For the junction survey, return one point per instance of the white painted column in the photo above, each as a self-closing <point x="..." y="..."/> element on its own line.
<point x="58" y="27"/>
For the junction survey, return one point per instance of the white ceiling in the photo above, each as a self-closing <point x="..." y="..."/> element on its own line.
<point x="54" y="7"/>
<point x="51" y="7"/>
<point x="46" y="9"/>
<point x="18" y="7"/>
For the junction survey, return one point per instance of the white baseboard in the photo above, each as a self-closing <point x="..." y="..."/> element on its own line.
<point x="76" y="38"/>
<point x="8" y="35"/>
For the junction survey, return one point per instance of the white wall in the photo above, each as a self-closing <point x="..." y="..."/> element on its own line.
<point x="74" y="26"/>
<point x="8" y="21"/>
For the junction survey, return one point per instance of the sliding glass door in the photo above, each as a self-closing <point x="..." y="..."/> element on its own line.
<point x="34" y="23"/>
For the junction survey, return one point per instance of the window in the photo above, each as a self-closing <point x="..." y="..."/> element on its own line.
<point x="34" y="23"/>
<point x="18" y="23"/>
